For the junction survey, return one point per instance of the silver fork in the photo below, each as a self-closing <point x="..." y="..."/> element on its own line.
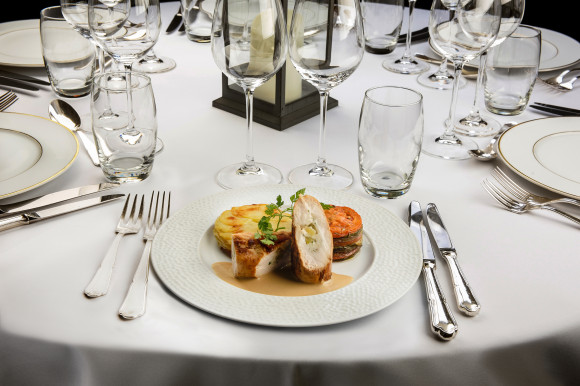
<point x="516" y="206"/>
<point x="131" y="224"/>
<point x="136" y="299"/>
<point x="7" y="99"/>
<point x="524" y="195"/>
<point x="558" y="80"/>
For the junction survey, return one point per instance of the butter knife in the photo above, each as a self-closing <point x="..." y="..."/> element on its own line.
<point x="443" y="323"/>
<point x="463" y="295"/>
<point x="42" y="214"/>
<point x="54" y="198"/>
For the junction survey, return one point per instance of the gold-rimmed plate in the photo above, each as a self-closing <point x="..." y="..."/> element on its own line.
<point x="20" y="44"/>
<point x="33" y="151"/>
<point x="387" y="266"/>
<point x="545" y="152"/>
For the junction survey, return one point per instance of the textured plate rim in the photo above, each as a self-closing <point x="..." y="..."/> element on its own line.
<point x="193" y="282"/>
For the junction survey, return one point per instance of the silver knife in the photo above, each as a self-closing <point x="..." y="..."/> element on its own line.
<point x="463" y="294"/>
<point x="18" y="84"/>
<point x="25" y="78"/>
<point x="175" y="22"/>
<point x="42" y="214"/>
<point x="443" y="323"/>
<point x="54" y="198"/>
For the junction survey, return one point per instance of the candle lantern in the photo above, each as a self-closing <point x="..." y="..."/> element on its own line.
<point x="283" y="101"/>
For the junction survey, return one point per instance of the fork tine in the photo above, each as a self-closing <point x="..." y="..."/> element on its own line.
<point x="491" y="191"/>
<point x="8" y="102"/>
<point x="509" y="184"/>
<point x="140" y="215"/>
<point x="501" y="196"/>
<point x="124" y="211"/>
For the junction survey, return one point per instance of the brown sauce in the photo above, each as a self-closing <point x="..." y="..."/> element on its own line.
<point x="279" y="283"/>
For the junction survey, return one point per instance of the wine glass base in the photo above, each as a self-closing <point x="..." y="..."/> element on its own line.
<point x="482" y="127"/>
<point x="406" y="67"/>
<point x="439" y="82"/>
<point x="334" y="177"/>
<point x="235" y="176"/>
<point x="154" y="65"/>
<point x="448" y="150"/>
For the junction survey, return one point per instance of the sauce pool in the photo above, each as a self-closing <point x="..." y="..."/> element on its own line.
<point x="279" y="283"/>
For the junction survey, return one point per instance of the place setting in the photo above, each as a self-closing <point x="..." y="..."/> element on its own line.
<point x="370" y="260"/>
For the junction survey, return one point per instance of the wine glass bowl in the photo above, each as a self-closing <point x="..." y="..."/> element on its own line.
<point x="325" y="55"/>
<point x="475" y="123"/>
<point x="249" y="44"/>
<point x="460" y="31"/>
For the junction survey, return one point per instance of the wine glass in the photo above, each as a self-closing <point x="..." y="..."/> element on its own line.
<point x="325" y="55"/>
<point x="151" y="63"/>
<point x="76" y="13"/>
<point x="442" y="79"/>
<point x="461" y="30"/>
<point x="407" y="64"/>
<point x="475" y="123"/>
<point x="249" y="45"/>
<point x="125" y="29"/>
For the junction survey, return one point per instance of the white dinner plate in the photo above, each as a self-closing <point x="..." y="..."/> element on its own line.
<point x="387" y="266"/>
<point x="33" y="151"/>
<point x="20" y="44"/>
<point x="545" y="152"/>
<point x="558" y="51"/>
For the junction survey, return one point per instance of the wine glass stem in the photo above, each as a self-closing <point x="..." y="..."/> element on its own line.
<point x="448" y="135"/>
<point x="130" y="124"/>
<point x="249" y="165"/>
<point x="474" y="113"/>
<point x="321" y="161"/>
<point x="407" y="53"/>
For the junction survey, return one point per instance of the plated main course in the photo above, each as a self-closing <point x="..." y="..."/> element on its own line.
<point x="294" y="244"/>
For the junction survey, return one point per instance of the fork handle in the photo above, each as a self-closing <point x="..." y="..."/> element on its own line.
<point x="466" y="301"/>
<point x="99" y="284"/>
<point x="561" y="213"/>
<point x="566" y="200"/>
<point x="136" y="299"/>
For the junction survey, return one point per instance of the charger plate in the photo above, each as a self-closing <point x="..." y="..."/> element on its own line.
<point x="387" y="266"/>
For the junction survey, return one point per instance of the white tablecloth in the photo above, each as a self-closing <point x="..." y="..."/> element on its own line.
<point x="523" y="268"/>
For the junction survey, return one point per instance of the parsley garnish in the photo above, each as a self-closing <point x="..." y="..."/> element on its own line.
<point x="274" y="211"/>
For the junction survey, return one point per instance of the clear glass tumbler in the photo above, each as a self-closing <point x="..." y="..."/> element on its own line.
<point x="511" y="71"/>
<point x="123" y="161"/>
<point x="389" y="140"/>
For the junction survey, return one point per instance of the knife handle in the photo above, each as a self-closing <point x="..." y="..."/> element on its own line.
<point x="443" y="323"/>
<point x="13" y="222"/>
<point x="466" y="301"/>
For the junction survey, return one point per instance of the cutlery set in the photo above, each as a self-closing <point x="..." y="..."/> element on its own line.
<point x="443" y="323"/>
<point x="54" y="204"/>
<point x="516" y="199"/>
<point x="135" y="301"/>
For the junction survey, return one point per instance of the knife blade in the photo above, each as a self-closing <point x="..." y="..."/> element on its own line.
<point x="42" y="214"/>
<point x="557" y="110"/>
<point x="175" y="22"/>
<point x="54" y="198"/>
<point x="443" y="322"/>
<point x="18" y="84"/>
<point x="26" y="78"/>
<point x="466" y="301"/>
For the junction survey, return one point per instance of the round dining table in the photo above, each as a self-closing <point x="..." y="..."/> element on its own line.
<point x="523" y="268"/>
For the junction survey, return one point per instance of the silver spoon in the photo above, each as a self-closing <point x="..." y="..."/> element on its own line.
<point x="63" y="113"/>
<point x="488" y="153"/>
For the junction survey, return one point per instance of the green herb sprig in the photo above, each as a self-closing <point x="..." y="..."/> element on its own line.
<point x="274" y="211"/>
